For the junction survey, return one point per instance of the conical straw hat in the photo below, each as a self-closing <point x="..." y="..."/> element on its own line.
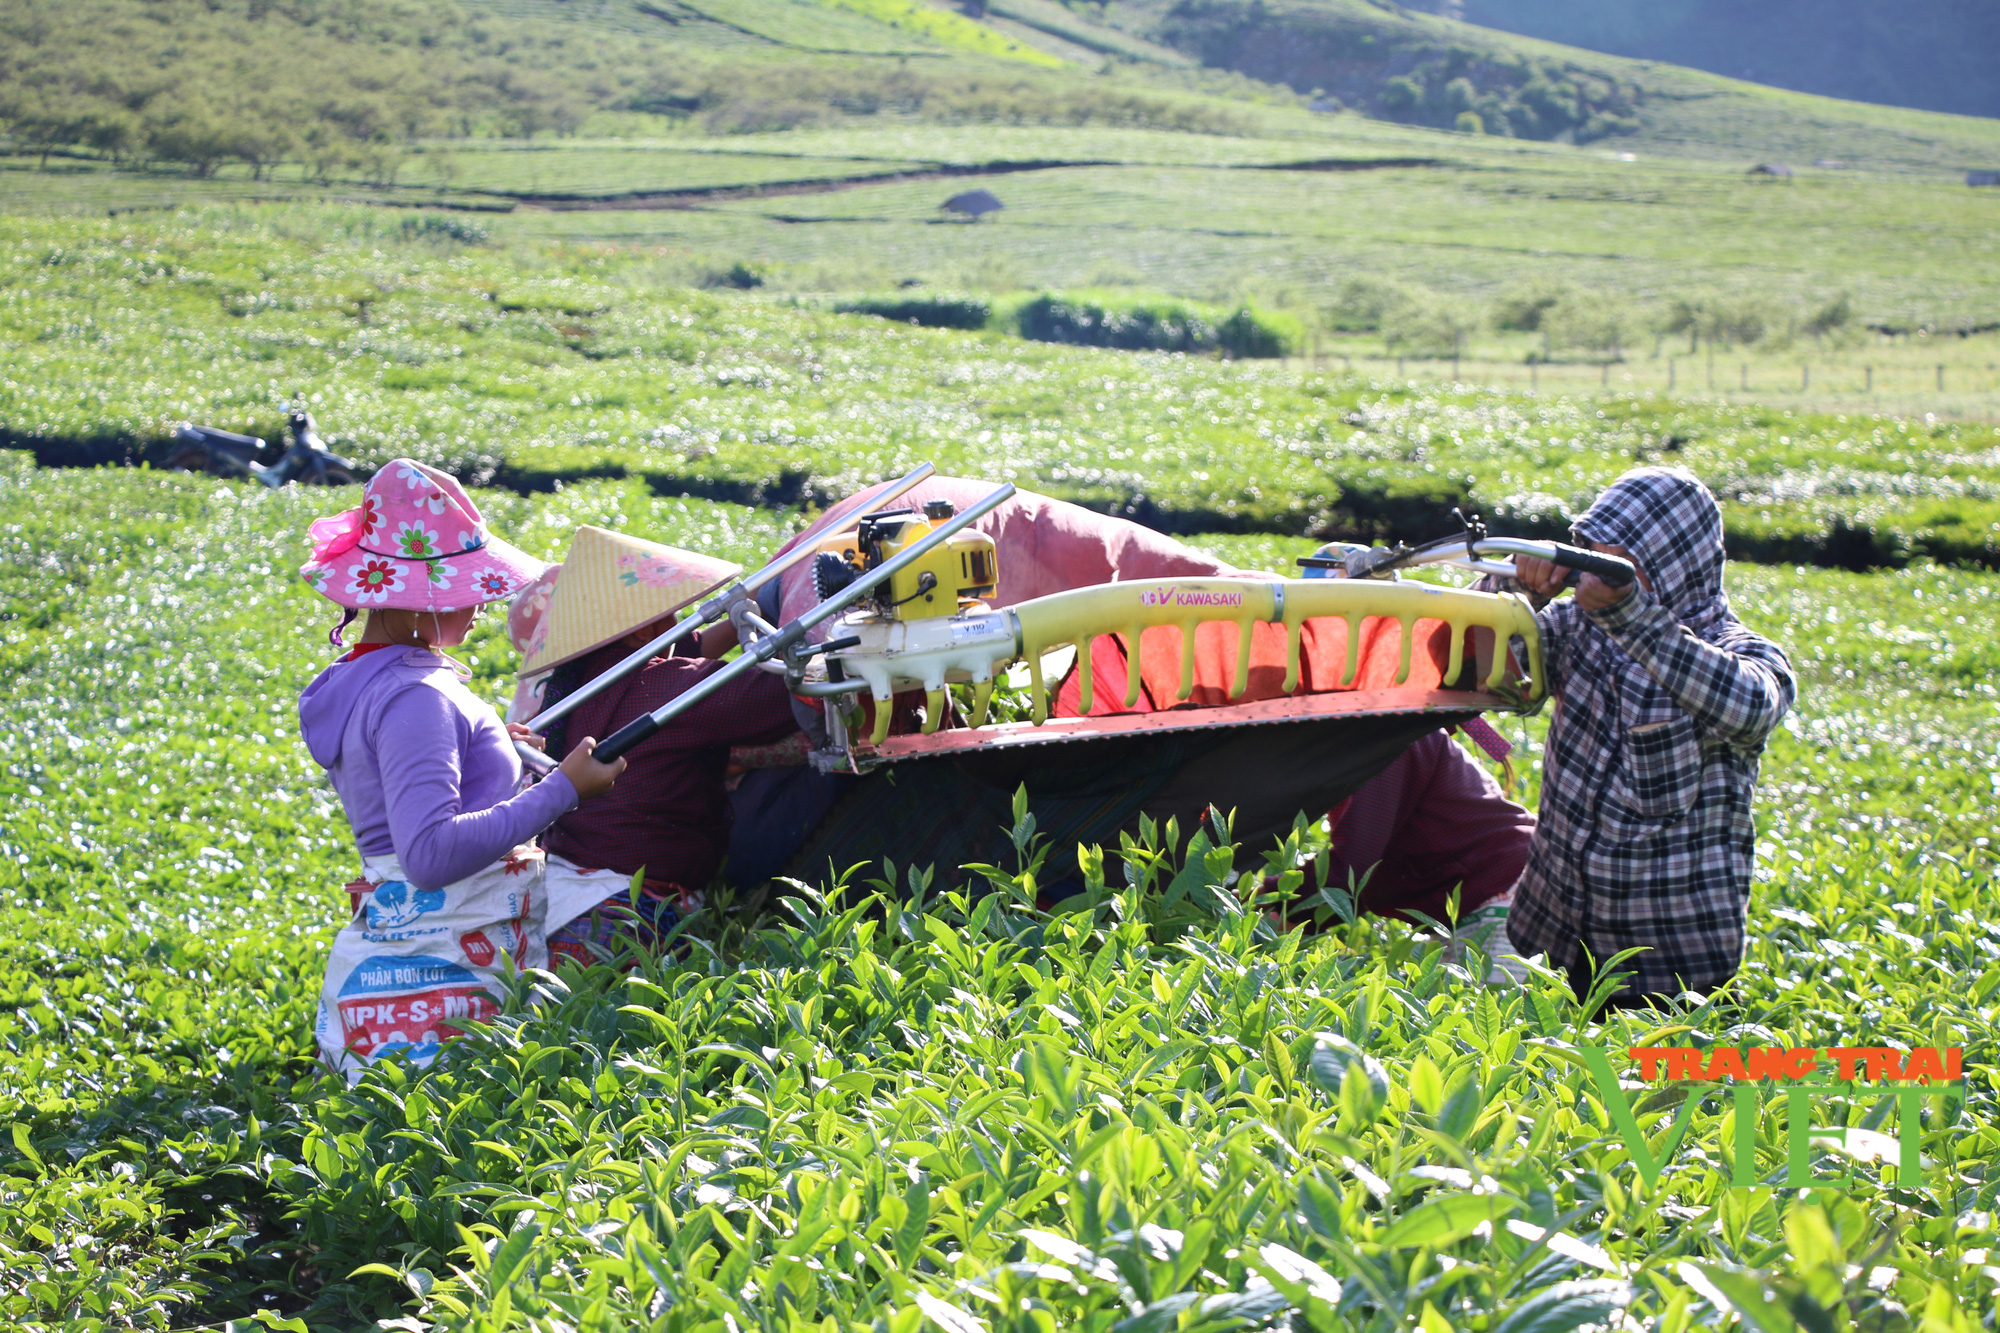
<point x="610" y="585"/>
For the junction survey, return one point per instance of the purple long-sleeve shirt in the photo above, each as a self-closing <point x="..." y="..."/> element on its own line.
<point x="423" y="768"/>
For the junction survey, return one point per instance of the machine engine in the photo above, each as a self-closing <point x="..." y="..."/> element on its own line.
<point x="950" y="578"/>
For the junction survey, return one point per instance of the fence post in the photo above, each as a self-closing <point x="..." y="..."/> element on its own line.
<point x="1940" y="379"/>
<point x="1604" y="375"/>
<point x="1746" y="376"/>
<point x="1871" y="380"/>
<point x="1805" y="378"/>
<point x="1670" y="374"/>
<point x="1534" y="377"/>
<point x="1399" y="367"/>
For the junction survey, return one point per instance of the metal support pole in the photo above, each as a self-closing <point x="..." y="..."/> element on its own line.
<point x="716" y="608"/>
<point x="793" y="634"/>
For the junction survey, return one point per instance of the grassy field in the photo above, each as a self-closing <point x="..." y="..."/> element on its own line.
<point x="1110" y="1115"/>
<point x="872" y="1108"/>
<point x="1156" y="175"/>
<point x="1208" y="217"/>
<point x="532" y="366"/>
<point x="1946" y="377"/>
<point x="1177" y="212"/>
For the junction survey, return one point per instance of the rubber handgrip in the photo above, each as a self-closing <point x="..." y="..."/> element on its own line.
<point x="625" y="738"/>
<point x="534" y="760"/>
<point x="1610" y="568"/>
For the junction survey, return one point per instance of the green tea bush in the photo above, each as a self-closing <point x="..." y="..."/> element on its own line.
<point x="932" y="310"/>
<point x="530" y="370"/>
<point x="874" y="1103"/>
<point x="1159" y="326"/>
<point x="1156" y="325"/>
<point x="1254" y="333"/>
<point x="741" y="275"/>
<point x="443" y="227"/>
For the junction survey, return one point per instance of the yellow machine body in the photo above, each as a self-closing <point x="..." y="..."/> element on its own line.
<point x="947" y="579"/>
<point x="977" y="644"/>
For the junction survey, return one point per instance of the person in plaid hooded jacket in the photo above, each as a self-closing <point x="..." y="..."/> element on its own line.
<point x="1663" y="704"/>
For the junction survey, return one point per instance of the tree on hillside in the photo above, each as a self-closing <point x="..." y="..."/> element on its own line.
<point x="1832" y="319"/>
<point x="1589" y="323"/>
<point x="1429" y="324"/>
<point x="1522" y="306"/>
<point x="197" y="136"/>
<point x="43" y="124"/>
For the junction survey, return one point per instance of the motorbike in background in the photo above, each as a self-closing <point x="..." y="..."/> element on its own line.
<point x="224" y="453"/>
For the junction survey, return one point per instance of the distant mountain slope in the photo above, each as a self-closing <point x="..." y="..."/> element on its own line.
<point x="1415" y="69"/>
<point x="1420" y="68"/>
<point x="348" y="84"/>
<point x="1937" y="55"/>
<point x="347" y="89"/>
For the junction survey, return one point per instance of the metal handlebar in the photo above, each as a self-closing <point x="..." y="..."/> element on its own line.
<point x="712" y="610"/>
<point x="1471" y="553"/>
<point x="794" y="633"/>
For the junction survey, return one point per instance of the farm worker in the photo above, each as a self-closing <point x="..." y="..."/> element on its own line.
<point x="669" y="820"/>
<point x="1664" y="701"/>
<point x="1431" y="822"/>
<point x="426" y="772"/>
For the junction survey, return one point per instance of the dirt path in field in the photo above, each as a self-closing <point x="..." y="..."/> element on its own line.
<point x="708" y="194"/>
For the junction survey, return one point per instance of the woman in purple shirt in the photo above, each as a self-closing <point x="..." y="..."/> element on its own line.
<point x="451" y="891"/>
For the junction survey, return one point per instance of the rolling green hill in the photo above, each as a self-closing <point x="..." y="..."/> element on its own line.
<point x="805" y="148"/>
<point x="1143" y="149"/>
<point x="1424" y="69"/>
<point x="341" y="87"/>
<point x="1935" y="54"/>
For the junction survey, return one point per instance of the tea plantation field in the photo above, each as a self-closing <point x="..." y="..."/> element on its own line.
<point x="913" y="1113"/>
<point x="522" y="366"/>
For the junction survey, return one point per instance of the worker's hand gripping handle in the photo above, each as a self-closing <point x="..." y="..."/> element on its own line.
<point x="1610" y="568"/>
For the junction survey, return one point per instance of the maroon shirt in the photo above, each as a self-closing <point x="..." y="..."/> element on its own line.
<point x="1431" y="820"/>
<point x="668" y="811"/>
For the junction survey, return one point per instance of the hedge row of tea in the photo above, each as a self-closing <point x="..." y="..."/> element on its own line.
<point x="877" y="1108"/>
<point x="1129" y="323"/>
<point x="524" y="368"/>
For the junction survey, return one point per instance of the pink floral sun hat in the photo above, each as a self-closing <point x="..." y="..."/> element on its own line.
<point x="415" y="543"/>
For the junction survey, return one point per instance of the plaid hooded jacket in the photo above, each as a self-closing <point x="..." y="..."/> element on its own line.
<point x="1663" y="703"/>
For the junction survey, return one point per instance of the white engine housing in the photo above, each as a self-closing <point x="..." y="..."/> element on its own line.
<point x="924" y="654"/>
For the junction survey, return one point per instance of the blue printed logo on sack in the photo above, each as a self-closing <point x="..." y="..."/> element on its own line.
<point x="409" y="1004"/>
<point x="393" y="905"/>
